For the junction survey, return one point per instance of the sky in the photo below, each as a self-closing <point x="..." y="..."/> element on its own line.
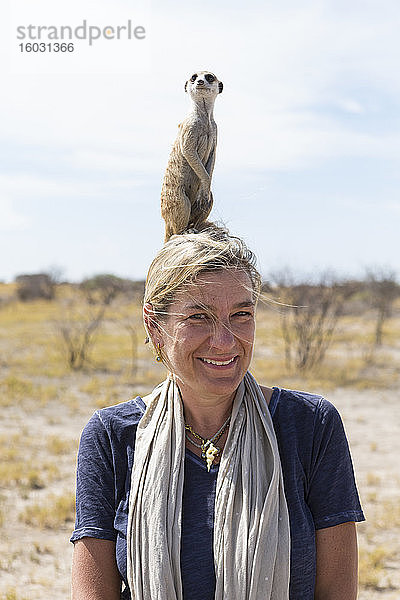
<point x="307" y="168"/>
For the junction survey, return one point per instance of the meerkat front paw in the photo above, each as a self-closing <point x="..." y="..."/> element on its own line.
<point x="204" y="198"/>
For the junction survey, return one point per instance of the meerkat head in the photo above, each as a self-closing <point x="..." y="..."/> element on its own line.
<point x="203" y="83"/>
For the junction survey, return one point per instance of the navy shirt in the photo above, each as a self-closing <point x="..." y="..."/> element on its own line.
<point x="318" y="478"/>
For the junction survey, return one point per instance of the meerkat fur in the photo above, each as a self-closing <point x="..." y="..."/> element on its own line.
<point x="186" y="197"/>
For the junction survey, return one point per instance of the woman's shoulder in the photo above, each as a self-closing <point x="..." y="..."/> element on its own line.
<point x="304" y="424"/>
<point x="297" y="404"/>
<point x="117" y="418"/>
<point x="308" y="400"/>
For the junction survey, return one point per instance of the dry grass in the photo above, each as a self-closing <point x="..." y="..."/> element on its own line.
<point x="22" y="466"/>
<point x="349" y="361"/>
<point x="43" y="403"/>
<point x="57" y="446"/>
<point x="52" y="513"/>
<point x="15" y="388"/>
<point x="372" y="567"/>
<point x="388" y="516"/>
<point x="379" y="551"/>
<point x="11" y="594"/>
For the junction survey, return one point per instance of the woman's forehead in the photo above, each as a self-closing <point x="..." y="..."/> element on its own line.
<point x="212" y="288"/>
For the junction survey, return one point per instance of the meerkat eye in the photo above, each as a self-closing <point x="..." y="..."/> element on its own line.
<point x="210" y="78"/>
<point x="193" y="77"/>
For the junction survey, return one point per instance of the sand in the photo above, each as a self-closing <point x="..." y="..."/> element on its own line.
<point x="36" y="562"/>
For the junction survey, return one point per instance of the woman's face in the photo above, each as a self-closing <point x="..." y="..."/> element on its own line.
<point x="208" y="334"/>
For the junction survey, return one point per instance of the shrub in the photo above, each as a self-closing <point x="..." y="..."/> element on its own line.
<point x="37" y="286"/>
<point x="309" y="315"/>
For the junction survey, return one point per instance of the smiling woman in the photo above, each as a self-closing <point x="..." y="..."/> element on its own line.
<point x="213" y="486"/>
<point x="207" y="337"/>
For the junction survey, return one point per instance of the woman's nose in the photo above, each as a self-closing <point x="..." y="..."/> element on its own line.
<point x="222" y="336"/>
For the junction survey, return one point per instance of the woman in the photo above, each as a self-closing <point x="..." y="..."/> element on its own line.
<point x="212" y="486"/>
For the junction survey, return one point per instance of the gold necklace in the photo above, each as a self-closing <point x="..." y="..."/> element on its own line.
<point x="208" y="450"/>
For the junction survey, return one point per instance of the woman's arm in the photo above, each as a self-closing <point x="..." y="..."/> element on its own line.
<point x="95" y="574"/>
<point x="337" y="563"/>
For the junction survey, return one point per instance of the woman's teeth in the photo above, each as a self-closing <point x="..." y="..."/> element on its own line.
<point x="218" y="362"/>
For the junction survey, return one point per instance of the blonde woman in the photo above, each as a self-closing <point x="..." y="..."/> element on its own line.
<point x="213" y="486"/>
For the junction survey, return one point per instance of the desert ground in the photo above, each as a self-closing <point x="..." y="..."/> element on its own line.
<point x="45" y="404"/>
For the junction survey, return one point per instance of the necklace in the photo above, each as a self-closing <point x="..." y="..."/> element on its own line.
<point x="208" y="450"/>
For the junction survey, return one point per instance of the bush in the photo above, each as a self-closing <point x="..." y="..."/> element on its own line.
<point x="309" y="317"/>
<point x="34" y="287"/>
<point x="383" y="291"/>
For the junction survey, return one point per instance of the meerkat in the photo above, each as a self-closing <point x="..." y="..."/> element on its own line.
<point x="186" y="197"/>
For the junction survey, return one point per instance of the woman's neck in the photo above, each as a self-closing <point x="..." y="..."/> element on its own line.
<point x="204" y="415"/>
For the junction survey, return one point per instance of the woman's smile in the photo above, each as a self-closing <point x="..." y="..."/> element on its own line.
<point x="219" y="362"/>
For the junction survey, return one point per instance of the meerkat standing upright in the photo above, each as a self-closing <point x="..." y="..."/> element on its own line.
<point x="186" y="197"/>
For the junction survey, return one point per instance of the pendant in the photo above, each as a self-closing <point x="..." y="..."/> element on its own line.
<point x="211" y="453"/>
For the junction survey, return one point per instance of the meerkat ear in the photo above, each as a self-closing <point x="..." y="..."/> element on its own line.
<point x="220" y="86"/>
<point x="186" y="86"/>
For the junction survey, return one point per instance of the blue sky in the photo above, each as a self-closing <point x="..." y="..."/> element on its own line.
<point x="307" y="164"/>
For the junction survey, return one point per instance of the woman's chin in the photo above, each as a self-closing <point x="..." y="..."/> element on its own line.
<point x="220" y="383"/>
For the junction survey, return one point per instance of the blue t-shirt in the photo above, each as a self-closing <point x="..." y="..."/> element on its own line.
<point x="318" y="478"/>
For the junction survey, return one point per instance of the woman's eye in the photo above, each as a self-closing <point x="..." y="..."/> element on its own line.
<point x="198" y="317"/>
<point x="243" y="313"/>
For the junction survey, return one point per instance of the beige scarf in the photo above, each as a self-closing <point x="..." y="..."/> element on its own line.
<point x="251" y="525"/>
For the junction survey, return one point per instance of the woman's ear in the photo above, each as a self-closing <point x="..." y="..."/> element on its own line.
<point x="149" y="319"/>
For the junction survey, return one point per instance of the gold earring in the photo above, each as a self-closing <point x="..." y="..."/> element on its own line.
<point x="158" y="353"/>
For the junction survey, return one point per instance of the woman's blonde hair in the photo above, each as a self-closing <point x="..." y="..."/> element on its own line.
<point x="184" y="257"/>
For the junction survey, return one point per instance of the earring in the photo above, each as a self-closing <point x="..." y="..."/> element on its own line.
<point x="158" y="352"/>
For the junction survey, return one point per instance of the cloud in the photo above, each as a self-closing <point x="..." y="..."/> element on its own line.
<point x="10" y="219"/>
<point x="284" y="66"/>
<point x="40" y="190"/>
<point x="393" y="206"/>
<point x="299" y="140"/>
<point x="27" y="186"/>
<point x="351" y="106"/>
<point x="309" y="87"/>
<point x="113" y="162"/>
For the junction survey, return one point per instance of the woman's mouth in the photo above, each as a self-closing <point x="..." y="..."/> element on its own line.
<point x="218" y="363"/>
